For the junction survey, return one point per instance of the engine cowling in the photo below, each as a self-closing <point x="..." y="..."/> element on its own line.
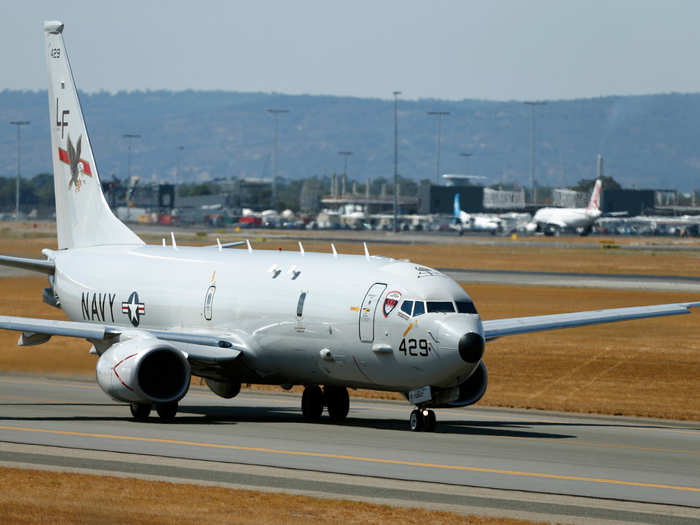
<point x="143" y="371"/>
<point x="473" y="389"/>
<point x="225" y="389"/>
<point x="467" y="393"/>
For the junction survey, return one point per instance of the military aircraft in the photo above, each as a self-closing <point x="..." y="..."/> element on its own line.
<point x="158" y="314"/>
<point x="552" y="221"/>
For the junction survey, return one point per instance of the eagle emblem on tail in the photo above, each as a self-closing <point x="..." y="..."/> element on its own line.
<point x="74" y="163"/>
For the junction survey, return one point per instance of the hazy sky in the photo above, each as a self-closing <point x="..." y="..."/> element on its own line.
<point x="496" y="50"/>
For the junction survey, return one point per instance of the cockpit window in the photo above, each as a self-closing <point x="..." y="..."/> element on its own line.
<point x="406" y="307"/>
<point x="466" y="307"/>
<point x="419" y="308"/>
<point x="440" y="306"/>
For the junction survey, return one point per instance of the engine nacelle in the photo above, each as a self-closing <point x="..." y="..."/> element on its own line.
<point x="468" y="393"/>
<point x="225" y="389"/>
<point x="143" y="371"/>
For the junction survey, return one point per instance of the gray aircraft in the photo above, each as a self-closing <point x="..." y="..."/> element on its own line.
<point x="156" y="315"/>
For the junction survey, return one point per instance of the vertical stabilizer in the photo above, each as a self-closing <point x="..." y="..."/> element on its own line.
<point x="456" y="207"/>
<point x="594" y="203"/>
<point x="83" y="217"/>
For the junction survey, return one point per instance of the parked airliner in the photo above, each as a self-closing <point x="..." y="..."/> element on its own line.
<point x="158" y="314"/>
<point x="553" y="221"/>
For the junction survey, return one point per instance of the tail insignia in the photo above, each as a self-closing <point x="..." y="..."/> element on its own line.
<point x="77" y="165"/>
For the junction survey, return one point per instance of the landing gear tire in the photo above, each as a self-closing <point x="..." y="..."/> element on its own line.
<point x="416" y="421"/>
<point x="312" y="402"/>
<point x="338" y="402"/>
<point x="140" y="411"/>
<point x="430" y="421"/>
<point x="422" y="420"/>
<point x="167" y="411"/>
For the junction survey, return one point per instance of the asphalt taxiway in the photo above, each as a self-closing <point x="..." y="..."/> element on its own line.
<point x="494" y="461"/>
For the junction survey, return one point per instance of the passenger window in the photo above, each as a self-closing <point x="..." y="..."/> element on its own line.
<point x="418" y="309"/>
<point x="466" y="307"/>
<point x="440" y="306"/>
<point x="406" y="307"/>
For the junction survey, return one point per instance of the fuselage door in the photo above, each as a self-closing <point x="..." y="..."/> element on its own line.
<point x="367" y="311"/>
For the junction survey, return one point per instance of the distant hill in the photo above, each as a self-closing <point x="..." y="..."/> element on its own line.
<point x="648" y="141"/>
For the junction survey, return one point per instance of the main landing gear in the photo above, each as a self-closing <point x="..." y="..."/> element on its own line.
<point x="422" y="420"/>
<point x="335" y="398"/>
<point x="166" y="411"/>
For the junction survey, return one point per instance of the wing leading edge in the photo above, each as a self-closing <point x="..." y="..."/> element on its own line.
<point x="522" y="325"/>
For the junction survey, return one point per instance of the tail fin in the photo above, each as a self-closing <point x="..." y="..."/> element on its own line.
<point x="457" y="208"/>
<point x="83" y="217"/>
<point x="594" y="203"/>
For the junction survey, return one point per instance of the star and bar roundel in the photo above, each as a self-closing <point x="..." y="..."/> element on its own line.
<point x="134" y="309"/>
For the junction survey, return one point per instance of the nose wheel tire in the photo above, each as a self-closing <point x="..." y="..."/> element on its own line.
<point x="338" y="402"/>
<point x="422" y="420"/>
<point x="140" y="411"/>
<point x="312" y="402"/>
<point x="167" y="411"/>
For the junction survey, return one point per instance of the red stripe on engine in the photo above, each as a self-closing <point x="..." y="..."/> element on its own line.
<point x="114" y="369"/>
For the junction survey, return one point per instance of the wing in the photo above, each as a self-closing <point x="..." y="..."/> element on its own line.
<point x="200" y="354"/>
<point x="522" y="325"/>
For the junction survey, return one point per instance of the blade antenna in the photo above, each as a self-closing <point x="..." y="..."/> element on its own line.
<point x="164" y="241"/>
<point x="218" y="243"/>
<point x="366" y="251"/>
<point x="250" y="248"/>
<point x="335" y="253"/>
<point x="172" y="237"/>
<point x="301" y="248"/>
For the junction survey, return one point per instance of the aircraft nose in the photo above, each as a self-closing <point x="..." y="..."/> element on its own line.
<point x="471" y="347"/>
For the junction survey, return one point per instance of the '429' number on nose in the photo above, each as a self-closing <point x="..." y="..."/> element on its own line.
<point x="415" y="347"/>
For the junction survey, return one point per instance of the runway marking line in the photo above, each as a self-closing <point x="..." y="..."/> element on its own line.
<point x="357" y="458"/>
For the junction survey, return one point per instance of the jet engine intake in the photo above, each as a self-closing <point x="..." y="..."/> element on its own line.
<point x="143" y="371"/>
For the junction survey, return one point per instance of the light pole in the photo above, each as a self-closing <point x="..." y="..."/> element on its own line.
<point x="345" y="155"/>
<point x="275" y="113"/>
<point x="532" y="104"/>
<point x="396" y="161"/>
<point x="19" y="124"/>
<point x="178" y="150"/>
<point x="439" y="115"/>
<point x="129" y="137"/>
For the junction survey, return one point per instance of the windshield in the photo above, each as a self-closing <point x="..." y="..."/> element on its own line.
<point x="466" y="307"/>
<point x="440" y="306"/>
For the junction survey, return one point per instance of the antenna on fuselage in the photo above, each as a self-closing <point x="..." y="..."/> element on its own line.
<point x="301" y="248"/>
<point x="172" y="236"/>
<point x="164" y="242"/>
<point x="335" y="253"/>
<point x="218" y="243"/>
<point x="250" y="248"/>
<point x="366" y="251"/>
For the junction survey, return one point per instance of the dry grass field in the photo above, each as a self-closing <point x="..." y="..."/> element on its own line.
<point x="643" y="368"/>
<point x="39" y="497"/>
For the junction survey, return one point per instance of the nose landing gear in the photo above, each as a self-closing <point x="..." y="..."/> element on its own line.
<point x="422" y="420"/>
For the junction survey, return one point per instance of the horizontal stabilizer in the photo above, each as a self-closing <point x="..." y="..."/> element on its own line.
<point x="34" y="265"/>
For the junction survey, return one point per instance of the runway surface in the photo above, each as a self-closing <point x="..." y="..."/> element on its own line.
<point x="481" y="458"/>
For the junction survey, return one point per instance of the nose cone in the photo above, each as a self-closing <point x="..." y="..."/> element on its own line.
<point x="471" y="347"/>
